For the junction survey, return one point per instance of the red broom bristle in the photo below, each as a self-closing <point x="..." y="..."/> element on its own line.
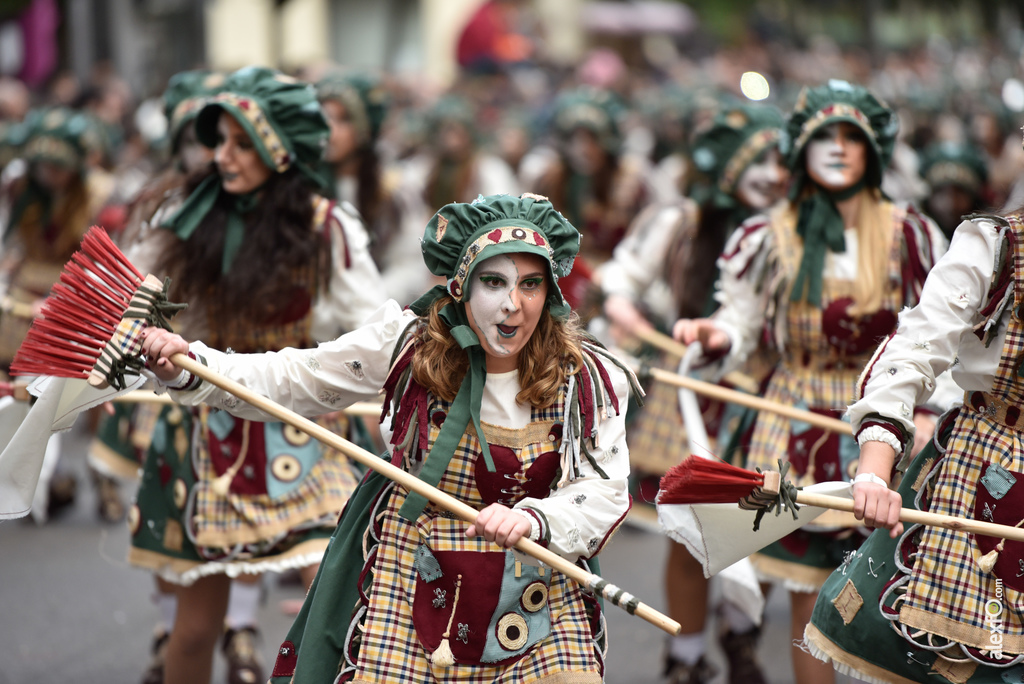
<point x="703" y="480"/>
<point x="82" y="311"/>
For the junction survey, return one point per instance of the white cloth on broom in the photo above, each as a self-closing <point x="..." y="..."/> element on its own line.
<point x="25" y="432"/>
<point x="719" y="535"/>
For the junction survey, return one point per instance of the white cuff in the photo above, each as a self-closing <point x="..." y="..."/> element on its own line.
<point x="876" y="433"/>
<point x="534" y="527"/>
<point x="870" y="477"/>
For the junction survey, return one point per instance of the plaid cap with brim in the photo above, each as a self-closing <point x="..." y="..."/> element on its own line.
<point x="460" y="236"/>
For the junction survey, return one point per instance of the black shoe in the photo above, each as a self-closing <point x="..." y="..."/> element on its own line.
<point x="154" y="673"/>
<point x="63" y="488"/>
<point x="741" y="655"/>
<point x="244" y="664"/>
<point x="678" y="672"/>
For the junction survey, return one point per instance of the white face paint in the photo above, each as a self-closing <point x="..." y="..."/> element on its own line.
<point x="837" y="156"/>
<point x="506" y="298"/>
<point x="761" y="184"/>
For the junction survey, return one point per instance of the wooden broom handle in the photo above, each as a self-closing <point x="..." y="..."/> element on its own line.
<point x="670" y="346"/>
<point x="414" y="484"/>
<point x="909" y="515"/>
<point x="361" y="408"/>
<point x="720" y="393"/>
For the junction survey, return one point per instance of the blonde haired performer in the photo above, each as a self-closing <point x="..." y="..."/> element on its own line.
<point x="821" y="278"/>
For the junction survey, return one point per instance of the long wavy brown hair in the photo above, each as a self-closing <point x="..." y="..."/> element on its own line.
<point x="550" y="356"/>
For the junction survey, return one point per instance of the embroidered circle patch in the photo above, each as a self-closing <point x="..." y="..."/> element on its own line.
<point x="534" y="597"/>
<point x="286" y="468"/>
<point x="512" y="631"/>
<point x="294" y="436"/>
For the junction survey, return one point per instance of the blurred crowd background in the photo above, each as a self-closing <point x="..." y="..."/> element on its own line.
<point x="953" y="68"/>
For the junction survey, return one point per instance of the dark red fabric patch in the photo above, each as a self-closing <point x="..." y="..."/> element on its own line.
<point x="855" y="335"/>
<point x="251" y="479"/>
<point x="1008" y="510"/>
<point x="287" y="657"/>
<point x="506" y="465"/>
<point x="478" y="599"/>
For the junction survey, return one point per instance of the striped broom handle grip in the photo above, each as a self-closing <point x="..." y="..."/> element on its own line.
<point x="725" y="394"/>
<point x="670" y="346"/>
<point x="414" y="484"/>
<point x="909" y="515"/>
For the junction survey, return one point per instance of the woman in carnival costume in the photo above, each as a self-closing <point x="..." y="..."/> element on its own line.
<point x="265" y="263"/>
<point x="356" y="106"/>
<point x="676" y="244"/>
<point x="821" y="277"/>
<point x="601" y="189"/>
<point x="453" y="166"/>
<point x="923" y="603"/>
<point x="493" y="395"/>
<point x="48" y="203"/>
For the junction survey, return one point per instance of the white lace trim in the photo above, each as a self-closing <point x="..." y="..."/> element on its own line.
<point x="237" y="568"/>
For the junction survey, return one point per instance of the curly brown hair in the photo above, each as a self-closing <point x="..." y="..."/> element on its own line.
<point x="550" y="356"/>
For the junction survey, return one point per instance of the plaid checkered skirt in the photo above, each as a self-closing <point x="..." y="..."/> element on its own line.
<point x="184" y="524"/>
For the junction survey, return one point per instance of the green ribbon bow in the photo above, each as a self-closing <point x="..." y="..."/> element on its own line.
<point x="821" y="226"/>
<point x="192" y="212"/>
<point x="464" y="409"/>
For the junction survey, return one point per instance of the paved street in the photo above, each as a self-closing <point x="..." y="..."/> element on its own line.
<point x="72" y="610"/>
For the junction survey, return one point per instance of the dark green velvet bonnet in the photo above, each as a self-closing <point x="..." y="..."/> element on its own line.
<point x="462" y="235"/>
<point x="185" y="96"/>
<point x="831" y="103"/>
<point x="281" y="115"/>
<point x="283" y="119"/>
<point x="949" y="163"/>
<point x="364" y="98"/>
<point x="61" y="136"/>
<point x="595" y="110"/>
<point x="738" y="136"/>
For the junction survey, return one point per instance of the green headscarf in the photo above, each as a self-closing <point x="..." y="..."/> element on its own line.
<point x="949" y="163"/>
<point x="56" y="135"/>
<point x="458" y="238"/>
<point x="737" y="137"/>
<point x="598" y="111"/>
<point x="282" y="118"/>
<point x="363" y="96"/>
<point x="819" y="222"/>
<point x="186" y="94"/>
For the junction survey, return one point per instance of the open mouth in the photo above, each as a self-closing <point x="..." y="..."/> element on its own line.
<point x="507" y="331"/>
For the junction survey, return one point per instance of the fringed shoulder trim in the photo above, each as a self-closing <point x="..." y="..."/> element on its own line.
<point x="405" y="399"/>
<point x="590" y="398"/>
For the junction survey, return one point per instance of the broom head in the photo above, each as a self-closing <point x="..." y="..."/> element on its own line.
<point x="704" y="481"/>
<point x="91" y="323"/>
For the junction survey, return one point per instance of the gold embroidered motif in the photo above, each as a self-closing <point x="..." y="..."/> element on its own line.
<point x="848" y="602"/>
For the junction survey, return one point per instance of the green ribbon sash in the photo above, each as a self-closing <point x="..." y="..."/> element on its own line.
<point x="821" y="226"/>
